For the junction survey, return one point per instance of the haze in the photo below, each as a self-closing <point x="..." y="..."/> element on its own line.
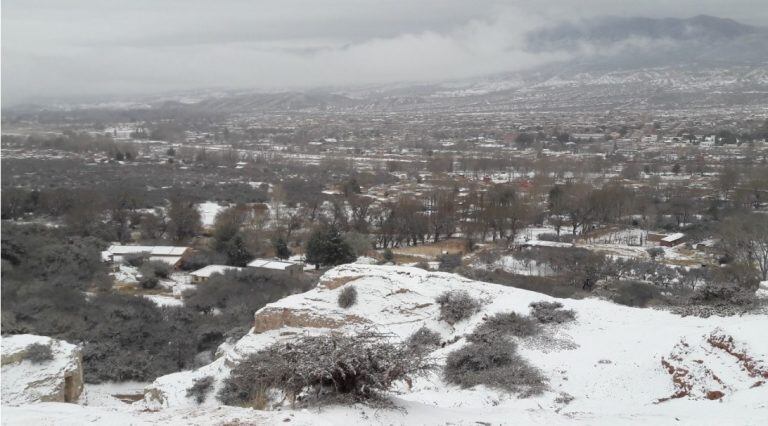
<point x="53" y="49"/>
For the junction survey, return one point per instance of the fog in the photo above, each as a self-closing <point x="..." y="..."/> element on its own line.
<point x="64" y="49"/>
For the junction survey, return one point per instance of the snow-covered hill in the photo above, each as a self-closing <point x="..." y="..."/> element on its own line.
<point x="612" y="365"/>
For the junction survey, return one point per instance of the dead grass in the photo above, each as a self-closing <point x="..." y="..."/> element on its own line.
<point x="136" y="289"/>
<point x="433" y="250"/>
<point x="338" y="282"/>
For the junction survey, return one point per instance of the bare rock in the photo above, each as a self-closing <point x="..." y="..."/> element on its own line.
<point x="58" y="378"/>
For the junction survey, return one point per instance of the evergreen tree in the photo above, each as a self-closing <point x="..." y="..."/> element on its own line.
<point x="236" y="251"/>
<point x="326" y="247"/>
<point x="281" y="249"/>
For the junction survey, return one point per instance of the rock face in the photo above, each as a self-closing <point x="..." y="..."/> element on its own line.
<point x="58" y="379"/>
<point x="273" y="318"/>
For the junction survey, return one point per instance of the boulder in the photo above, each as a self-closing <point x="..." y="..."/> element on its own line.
<point x="54" y="378"/>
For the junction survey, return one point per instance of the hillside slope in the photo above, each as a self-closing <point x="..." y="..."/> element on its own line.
<point x="612" y="365"/>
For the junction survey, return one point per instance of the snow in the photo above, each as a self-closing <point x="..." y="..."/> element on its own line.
<point x="609" y="359"/>
<point x="516" y="266"/>
<point x="163" y="301"/>
<point x="762" y="290"/>
<point x="208" y="211"/>
<point x="26" y="382"/>
<point x="209" y="270"/>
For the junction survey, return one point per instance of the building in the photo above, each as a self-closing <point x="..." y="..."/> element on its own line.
<point x="672" y="240"/>
<point x="280" y="266"/>
<point x="202" y="274"/>
<point x="168" y="254"/>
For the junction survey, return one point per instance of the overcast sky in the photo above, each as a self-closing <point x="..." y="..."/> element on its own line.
<point x="65" y="48"/>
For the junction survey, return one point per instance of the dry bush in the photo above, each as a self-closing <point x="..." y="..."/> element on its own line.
<point x="551" y="312"/>
<point x="347" y="297"/>
<point x="156" y="268"/>
<point x="423" y="339"/>
<point x="449" y="261"/>
<point x="311" y="369"/>
<point x="38" y="353"/>
<point x="494" y="364"/>
<point x="148" y="282"/>
<point x="135" y="259"/>
<point x="457" y="305"/>
<point x="502" y="325"/>
<point x="201" y="388"/>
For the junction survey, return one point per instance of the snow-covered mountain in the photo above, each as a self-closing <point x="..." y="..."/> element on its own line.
<point x="611" y="365"/>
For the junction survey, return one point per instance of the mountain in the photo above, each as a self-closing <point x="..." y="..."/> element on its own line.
<point x="604" y="30"/>
<point x="610" y="62"/>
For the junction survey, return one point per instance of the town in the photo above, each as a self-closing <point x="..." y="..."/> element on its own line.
<point x="581" y="245"/>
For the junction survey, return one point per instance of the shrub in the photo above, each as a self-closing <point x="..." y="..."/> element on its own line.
<point x="449" y="262"/>
<point x="551" y="312"/>
<point x="495" y="364"/>
<point x="201" y="388"/>
<point x="562" y="238"/>
<point x="136" y="259"/>
<point x="156" y="268"/>
<point x="723" y="293"/>
<point x="347" y="296"/>
<point x="38" y="353"/>
<point x="148" y="282"/>
<point x="422" y="339"/>
<point x="360" y="243"/>
<point x="655" y="252"/>
<point x="456" y="305"/>
<point x="357" y="367"/>
<point x="634" y="293"/>
<point x="388" y="256"/>
<point x="501" y="325"/>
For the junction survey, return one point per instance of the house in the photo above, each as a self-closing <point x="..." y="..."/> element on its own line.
<point x="672" y="240"/>
<point x="280" y="266"/>
<point x="168" y="254"/>
<point x="201" y="275"/>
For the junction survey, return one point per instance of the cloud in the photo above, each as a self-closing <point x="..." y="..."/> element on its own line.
<point x="80" y="47"/>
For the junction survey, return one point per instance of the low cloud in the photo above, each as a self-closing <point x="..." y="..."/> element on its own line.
<point x="89" y="48"/>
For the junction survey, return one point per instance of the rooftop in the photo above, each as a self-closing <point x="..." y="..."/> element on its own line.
<point x="209" y="270"/>
<point x="271" y="264"/>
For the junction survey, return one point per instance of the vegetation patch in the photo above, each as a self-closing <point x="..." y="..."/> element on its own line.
<point x="494" y="364"/>
<point x="457" y="305"/>
<point x="200" y="389"/>
<point x="313" y="369"/>
<point x="423" y="339"/>
<point x="38" y="353"/>
<point x="347" y="297"/>
<point x="502" y="325"/>
<point x="551" y="312"/>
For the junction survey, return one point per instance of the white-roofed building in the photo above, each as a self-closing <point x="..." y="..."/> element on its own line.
<point x="202" y="274"/>
<point x="273" y="265"/>
<point x="672" y="239"/>
<point x="169" y="254"/>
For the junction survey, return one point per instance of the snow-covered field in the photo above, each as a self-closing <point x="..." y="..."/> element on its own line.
<point x="208" y="212"/>
<point x="618" y="364"/>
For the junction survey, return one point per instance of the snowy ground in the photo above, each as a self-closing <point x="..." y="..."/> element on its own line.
<point x="208" y="212"/>
<point x="617" y="363"/>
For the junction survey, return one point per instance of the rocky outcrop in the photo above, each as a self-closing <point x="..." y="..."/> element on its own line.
<point x="271" y="318"/>
<point x="27" y="379"/>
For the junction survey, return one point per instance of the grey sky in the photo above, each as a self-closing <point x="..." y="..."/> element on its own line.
<point x="64" y="48"/>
